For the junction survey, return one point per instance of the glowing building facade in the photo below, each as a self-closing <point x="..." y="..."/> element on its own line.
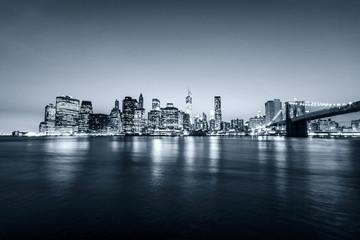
<point x="129" y="106"/>
<point x="189" y="105"/>
<point x="84" y="116"/>
<point x="272" y="107"/>
<point x="169" y="117"/>
<point x="67" y="115"/>
<point x="218" y="115"/>
<point x="115" y="123"/>
<point x="50" y="114"/>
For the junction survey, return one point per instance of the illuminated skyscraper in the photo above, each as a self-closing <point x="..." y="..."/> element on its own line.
<point x="271" y="109"/>
<point x="129" y="106"/>
<point x="156" y="104"/>
<point x="115" y="123"/>
<point x="218" y="116"/>
<point x="139" y="120"/>
<point x="169" y="117"/>
<point x="205" y="123"/>
<point x="84" y="117"/>
<point x="141" y="101"/>
<point x="67" y="114"/>
<point x="99" y="123"/>
<point x="50" y="112"/>
<point x="189" y="105"/>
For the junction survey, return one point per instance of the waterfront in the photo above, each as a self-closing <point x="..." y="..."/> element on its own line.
<point x="175" y="188"/>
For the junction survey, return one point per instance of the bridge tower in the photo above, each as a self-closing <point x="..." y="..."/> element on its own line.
<point x="298" y="128"/>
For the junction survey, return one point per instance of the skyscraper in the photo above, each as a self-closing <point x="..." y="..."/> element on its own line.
<point x="139" y="120"/>
<point x="115" y="123"/>
<point x="129" y="106"/>
<point x="169" y="116"/>
<point x="218" y="116"/>
<point x="272" y="107"/>
<point x="84" y="117"/>
<point x="141" y="101"/>
<point x="189" y="105"/>
<point x="67" y="114"/>
<point x="156" y="104"/>
<point x="50" y="112"/>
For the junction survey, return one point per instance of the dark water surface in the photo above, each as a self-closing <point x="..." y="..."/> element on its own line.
<point x="178" y="188"/>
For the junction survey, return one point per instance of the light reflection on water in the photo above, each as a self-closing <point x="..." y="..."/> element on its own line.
<point x="240" y="185"/>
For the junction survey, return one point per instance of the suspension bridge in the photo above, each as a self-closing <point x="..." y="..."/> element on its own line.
<point x="295" y="118"/>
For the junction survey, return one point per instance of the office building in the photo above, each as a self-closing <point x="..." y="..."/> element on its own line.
<point x="188" y="101"/>
<point x="129" y="106"/>
<point x="115" y="122"/>
<point x="50" y="114"/>
<point x="84" y="116"/>
<point x="99" y="123"/>
<point x="272" y="107"/>
<point x="169" y="117"/>
<point x="218" y="115"/>
<point x="67" y="115"/>
<point x="139" y="120"/>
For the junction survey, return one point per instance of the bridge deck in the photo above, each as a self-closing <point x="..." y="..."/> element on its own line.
<point x="333" y="111"/>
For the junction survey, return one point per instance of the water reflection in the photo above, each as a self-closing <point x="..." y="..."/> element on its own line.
<point x="214" y="152"/>
<point x="63" y="161"/>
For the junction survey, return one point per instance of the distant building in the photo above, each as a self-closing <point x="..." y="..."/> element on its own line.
<point x="212" y="125"/>
<point x="186" y="122"/>
<point x="115" y="122"/>
<point x="327" y="125"/>
<point x="141" y="101"/>
<point x="50" y="114"/>
<point x="139" y="120"/>
<point x="355" y="125"/>
<point x="155" y="104"/>
<point x="197" y="122"/>
<point x="67" y="115"/>
<point x="271" y="109"/>
<point x="218" y="115"/>
<point x="257" y="121"/>
<point x="180" y="120"/>
<point x="99" y="123"/>
<point x="205" y="125"/>
<point x="84" y="117"/>
<point x="225" y="126"/>
<point x="129" y="106"/>
<point x="42" y="128"/>
<point x="237" y="124"/>
<point x="154" y="119"/>
<point x="189" y="105"/>
<point x="169" y="117"/>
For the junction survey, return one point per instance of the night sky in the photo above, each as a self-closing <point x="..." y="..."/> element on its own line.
<point x="247" y="52"/>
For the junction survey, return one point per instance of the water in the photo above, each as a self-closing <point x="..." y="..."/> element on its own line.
<point x="179" y="188"/>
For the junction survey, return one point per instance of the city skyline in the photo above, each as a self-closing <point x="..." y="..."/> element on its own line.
<point x="245" y="52"/>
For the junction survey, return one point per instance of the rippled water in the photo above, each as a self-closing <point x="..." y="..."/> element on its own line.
<point x="175" y="188"/>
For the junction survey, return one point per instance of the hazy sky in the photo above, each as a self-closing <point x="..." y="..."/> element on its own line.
<point x="247" y="52"/>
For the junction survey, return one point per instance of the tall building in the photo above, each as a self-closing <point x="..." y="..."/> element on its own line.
<point x="181" y="120"/>
<point x="205" y="125"/>
<point x="218" y="116"/>
<point x="139" y="120"/>
<point x="141" y="101"/>
<point x="129" y="106"/>
<point x="156" y="104"/>
<point x="186" y="122"/>
<point x="50" y="113"/>
<point x="237" y="124"/>
<point x="67" y="114"/>
<point x="355" y="125"/>
<point x="272" y="107"/>
<point x="257" y="121"/>
<point x="99" y="123"/>
<point x="197" y="122"/>
<point x="189" y="105"/>
<point x="84" y="116"/>
<point x="42" y="128"/>
<point x="169" y="116"/>
<point x="212" y="125"/>
<point x="115" y="123"/>
<point x="154" y="119"/>
<point x="212" y="114"/>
